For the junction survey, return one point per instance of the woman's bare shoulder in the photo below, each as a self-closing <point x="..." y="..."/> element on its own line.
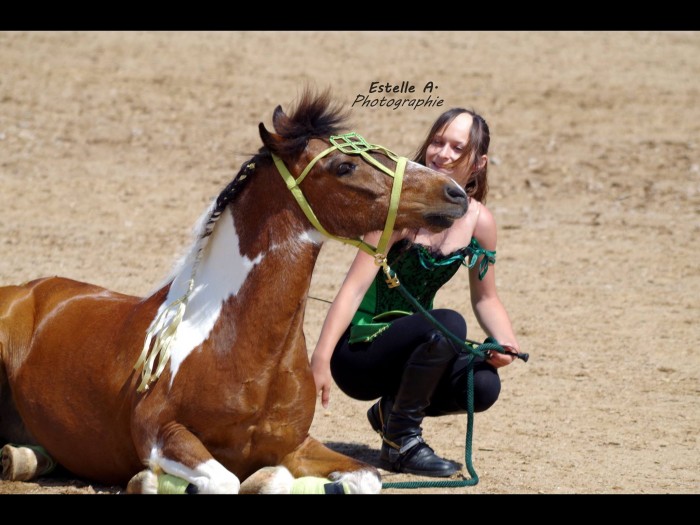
<point x="485" y="228"/>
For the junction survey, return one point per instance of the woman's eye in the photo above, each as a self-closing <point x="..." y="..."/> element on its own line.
<point x="345" y="168"/>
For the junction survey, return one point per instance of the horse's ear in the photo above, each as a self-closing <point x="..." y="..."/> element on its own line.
<point x="270" y="140"/>
<point x="277" y="116"/>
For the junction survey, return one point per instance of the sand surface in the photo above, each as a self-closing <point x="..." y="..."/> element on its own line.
<point x="113" y="144"/>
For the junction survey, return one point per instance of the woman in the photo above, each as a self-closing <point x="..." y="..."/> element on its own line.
<point x="374" y="344"/>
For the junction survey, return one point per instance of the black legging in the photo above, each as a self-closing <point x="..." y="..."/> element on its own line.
<point x="366" y="371"/>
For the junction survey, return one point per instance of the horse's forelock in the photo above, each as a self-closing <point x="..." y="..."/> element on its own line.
<point x="315" y="115"/>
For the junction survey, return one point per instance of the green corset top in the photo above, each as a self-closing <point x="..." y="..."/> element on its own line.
<point x="422" y="273"/>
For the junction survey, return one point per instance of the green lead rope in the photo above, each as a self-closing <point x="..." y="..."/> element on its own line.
<point x="471" y="348"/>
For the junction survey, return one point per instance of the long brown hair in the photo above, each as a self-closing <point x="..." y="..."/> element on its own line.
<point x="477" y="186"/>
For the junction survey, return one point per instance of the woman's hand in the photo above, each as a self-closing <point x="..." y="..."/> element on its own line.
<point x="321" y="369"/>
<point x="497" y="359"/>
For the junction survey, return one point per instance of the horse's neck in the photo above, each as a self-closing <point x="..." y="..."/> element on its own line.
<point x="227" y="263"/>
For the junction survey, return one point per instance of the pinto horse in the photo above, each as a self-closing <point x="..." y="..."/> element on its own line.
<point x="207" y="380"/>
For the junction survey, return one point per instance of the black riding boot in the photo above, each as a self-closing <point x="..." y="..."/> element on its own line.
<point x="404" y="449"/>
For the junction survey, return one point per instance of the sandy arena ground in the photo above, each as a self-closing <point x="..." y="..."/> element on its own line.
<point x="113" y="144"/>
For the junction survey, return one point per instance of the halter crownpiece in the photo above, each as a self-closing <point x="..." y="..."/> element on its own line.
<point x="352" y="143"/>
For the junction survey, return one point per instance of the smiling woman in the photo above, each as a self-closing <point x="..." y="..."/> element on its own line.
<point x="377" y="343"/>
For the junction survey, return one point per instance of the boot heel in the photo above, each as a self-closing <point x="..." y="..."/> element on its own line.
<point x="418" y="459"/>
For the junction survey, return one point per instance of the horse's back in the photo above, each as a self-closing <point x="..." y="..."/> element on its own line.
<point x="20" y="307"/>
<point x="67" y="359"/>
<point x="48" y="292"/>
<point x="30" y="307"/>
<point x="18" y="313"/>
<point x="53" y="323"/>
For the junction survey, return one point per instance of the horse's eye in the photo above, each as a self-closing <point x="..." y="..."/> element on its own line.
<point x="345" y="168"/>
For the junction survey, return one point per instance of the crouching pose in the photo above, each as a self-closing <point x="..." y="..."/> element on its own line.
<point x="374" y="345"/>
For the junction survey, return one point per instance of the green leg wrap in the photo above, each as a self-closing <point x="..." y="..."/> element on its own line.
<point x="168" y="484"/>
<point x="50" y="463"/>
<point x="314" y="485"/>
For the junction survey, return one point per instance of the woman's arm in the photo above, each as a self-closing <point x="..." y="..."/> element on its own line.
<point x="345" y="305"/>
<point x="487" y="306"/>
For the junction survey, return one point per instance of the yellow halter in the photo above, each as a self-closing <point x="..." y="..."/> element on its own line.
<point x="351" y="144"/>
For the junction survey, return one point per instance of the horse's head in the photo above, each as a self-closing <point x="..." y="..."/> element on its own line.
<point x="348" y="183"/>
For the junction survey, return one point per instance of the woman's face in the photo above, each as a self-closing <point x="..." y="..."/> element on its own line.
<point x="448" y="145"/>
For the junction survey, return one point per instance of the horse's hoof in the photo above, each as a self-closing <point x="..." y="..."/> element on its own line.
<point x="24" y="463"/>
<point x="268" y="480"/>
<point x="145" y="482"/>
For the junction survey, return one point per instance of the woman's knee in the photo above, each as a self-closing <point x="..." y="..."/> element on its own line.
<point x="452" y="393"/>
<point x="487" y="388"/>
<point x="452" y="320"/>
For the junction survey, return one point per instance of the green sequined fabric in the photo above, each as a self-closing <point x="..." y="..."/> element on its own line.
<point x="422" y="273"/>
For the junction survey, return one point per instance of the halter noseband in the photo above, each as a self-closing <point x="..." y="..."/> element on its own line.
<point x="351" y="144"/>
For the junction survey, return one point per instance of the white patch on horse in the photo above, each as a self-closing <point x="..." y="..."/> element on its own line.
<point x="313" y="236"/>
<point x="210" y="477"/>
<point x="294" y="245"/>
<point x="220" y="275"/>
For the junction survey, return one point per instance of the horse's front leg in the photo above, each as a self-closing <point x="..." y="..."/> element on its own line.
<point x="180" y="463"/>
<point x="316" y="468"/>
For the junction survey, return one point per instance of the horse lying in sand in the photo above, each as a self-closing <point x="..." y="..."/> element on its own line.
<point x="207" y="382"/>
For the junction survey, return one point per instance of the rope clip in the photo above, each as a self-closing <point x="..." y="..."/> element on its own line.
<point x="392" y="281"/>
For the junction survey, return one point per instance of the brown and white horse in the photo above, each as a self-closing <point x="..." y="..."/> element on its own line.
<point x="230" y="391"/>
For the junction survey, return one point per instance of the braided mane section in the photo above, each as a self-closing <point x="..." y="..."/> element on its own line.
<point x="227" y="195"/>
<point x="161" y="332"/>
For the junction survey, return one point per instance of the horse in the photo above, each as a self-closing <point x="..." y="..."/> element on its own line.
<point x="207" y="381"/>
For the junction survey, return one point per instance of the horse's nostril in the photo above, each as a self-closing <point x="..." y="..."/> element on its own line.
<point x="455" y="194"/>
